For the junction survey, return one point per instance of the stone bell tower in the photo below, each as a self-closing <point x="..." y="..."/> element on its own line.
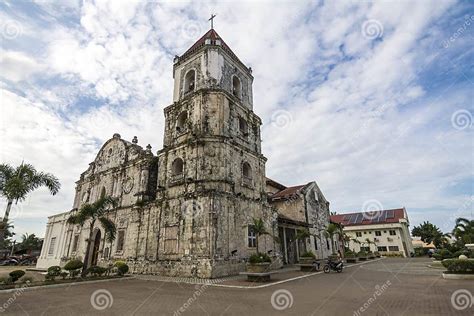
<point x="211" y="180"/>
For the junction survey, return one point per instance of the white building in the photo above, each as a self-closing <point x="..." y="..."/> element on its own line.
<point x="385" y="231"/>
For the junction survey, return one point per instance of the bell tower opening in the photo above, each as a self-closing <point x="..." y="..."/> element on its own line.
<point x="190" y="81"/>
<point x="236" y="87"/>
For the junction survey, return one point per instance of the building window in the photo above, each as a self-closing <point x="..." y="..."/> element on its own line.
<point x="378" y="233"/>
<point x="246" y="171"/>
<point x="366" y="249"/>
<point x="51" y="246"/>
<point x="251" y="237"/>
<point x="181" y="122"/>
<point x="393" y="233"/>
<point x="75" y="243"/>
<point x="243" y="127"/>
<point x="393" y="248"/>
<point x="327" y="244"/>
<point x="120" y="240"/>
<point x="189" y="81"/>
<point x="106" y="253"/>
<point x="358" y="234"/>
<point x="177" y="167"/>
<point x="171" y="239"/>
<point x="365" y="233"/>
<point x="236" y="87"/>
<point x="382" y="248"/>
<point x="315" y="244"/>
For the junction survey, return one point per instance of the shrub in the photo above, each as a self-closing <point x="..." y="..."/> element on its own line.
<point x="259" y="258"/>
<point x="393" y="254"/>
<point x="26" y="279"/>
<point x="122" y="267"/>
<point x="459" y="265"/>
<point x="73" y="266"/>
<point x="63" y="274"/>
<point x="443" y="254"/>
<point x="16" y="274"/>
<point x="377" y="254"/>
<point x="362" y="254"/>
<point x="98" y="271"/>
<point x="53" y="272"/>
<point x="349" y="254"/>
<point x="308" y="254"/>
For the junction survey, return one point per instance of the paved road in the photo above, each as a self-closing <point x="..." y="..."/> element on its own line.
<point x="387" y="287"/>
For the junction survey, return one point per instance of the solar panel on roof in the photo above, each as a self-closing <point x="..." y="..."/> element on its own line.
<point x="359" y="218"/>
<point x="390" y="214"/>
<point x="353" y="218"/>
<point x="346" y="218"/>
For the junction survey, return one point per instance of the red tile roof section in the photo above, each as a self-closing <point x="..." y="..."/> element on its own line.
<point x="288" y="192"/>
<point x="370" y="218"/>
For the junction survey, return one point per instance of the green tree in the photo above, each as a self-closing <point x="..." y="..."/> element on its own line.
<point x="429" y="233"/>
<point x="30" y="242"/>
<point x="464" y="231"/>
<point x="7" y="229"/>
<point x="17" y="183"/>
<point x="92" y="213"/>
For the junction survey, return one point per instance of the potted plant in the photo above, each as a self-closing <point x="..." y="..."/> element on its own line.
<point x="377" y="254"/>
<point x="258" y="263"/>
<point x="350" y="257"/>
<point x="371" y="255"/>
<point x="307" y="257"/>
<point x="362" y="255"/>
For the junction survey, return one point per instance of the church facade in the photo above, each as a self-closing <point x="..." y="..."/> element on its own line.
<point x="189" y="209"/>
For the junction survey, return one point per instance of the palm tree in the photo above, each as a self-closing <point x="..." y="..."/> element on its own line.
<point x="17" y="183"/>
<point x="6" y="229"/>
<point x="464" y="231"/>
<point x="30" y="242"/>
<point x="259" y="229"/>
<point x="92" y="213"/>
<point x="330" y="231"/>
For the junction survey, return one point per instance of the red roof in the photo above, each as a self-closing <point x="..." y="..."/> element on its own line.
<point x="288" y="192"/>
<point x="212" y="36"/>
<point x="370" y="218"/>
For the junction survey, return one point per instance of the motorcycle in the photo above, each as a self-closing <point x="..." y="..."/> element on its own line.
<point x="333" y="265"/>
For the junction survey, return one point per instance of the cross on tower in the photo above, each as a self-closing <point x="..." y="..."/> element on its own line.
<point x="212" y="20"/>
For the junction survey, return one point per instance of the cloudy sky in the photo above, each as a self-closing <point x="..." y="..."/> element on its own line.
<point x="374" y="101"/>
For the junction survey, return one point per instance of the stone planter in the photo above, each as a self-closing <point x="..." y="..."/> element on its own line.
<point x="351" y="259"/>
<point x="258" y="267"/>
<point x="458" y="276"/>
<point x="362" y="258"/>
<point x="306" y="260"/>
<point x="371" y="257"/>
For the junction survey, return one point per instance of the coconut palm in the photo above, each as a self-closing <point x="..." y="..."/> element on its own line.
<point x="330" y="231"/>
<point x="92" y="213"/>
<point x="259" y="229"/>
<point x="30" y="242"/>
<point x="464" y="230"/>
<point x="17" y="183"/>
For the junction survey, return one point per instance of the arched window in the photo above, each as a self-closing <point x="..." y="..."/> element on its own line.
<point x="236" y="87"/>
<point x="177" y="167"/>
<point x="246" y="171"/>
<point x="181" y="122"/>
<point x="103" y="192"/>
<point x="189" y="81"/>
<point x="243" y="127"/>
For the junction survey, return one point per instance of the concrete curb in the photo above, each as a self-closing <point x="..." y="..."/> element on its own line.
<point x="454" y="276"/>
<point x="288" y="280"/>
<point x="52" y="286"/>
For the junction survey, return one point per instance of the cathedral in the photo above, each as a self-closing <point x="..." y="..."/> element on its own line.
<point x="188" y="210"/>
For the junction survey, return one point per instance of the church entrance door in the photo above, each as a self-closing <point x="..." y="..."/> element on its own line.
<point x="95" y="248"/>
